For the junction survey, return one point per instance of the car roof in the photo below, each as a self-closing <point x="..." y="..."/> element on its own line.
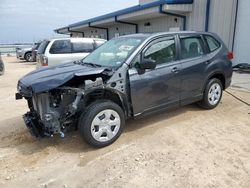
<point x="75" y="38"/>
<point x="147" y="35"/>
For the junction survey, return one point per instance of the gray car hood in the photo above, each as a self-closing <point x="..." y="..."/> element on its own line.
<point x="49" y="78"/>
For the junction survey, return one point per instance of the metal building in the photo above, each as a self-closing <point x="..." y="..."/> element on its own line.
<point x="219" y="16"/>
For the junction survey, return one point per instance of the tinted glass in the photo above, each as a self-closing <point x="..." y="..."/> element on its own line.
<point x="114" y="52"/>
<point x="212" y="43"/>
<point x="99" y="43"/>
<point x="162" y="52"/>
<point x="191" y="47"/>
<point x="37" y="45"/>
<point x="82" y="47"/>
<point x="60" y="47"/>
<point x="43" y="47"/>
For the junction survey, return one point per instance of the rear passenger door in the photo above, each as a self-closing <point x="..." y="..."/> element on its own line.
<point x="81" y="48"/>
<point x="194" y="61"/>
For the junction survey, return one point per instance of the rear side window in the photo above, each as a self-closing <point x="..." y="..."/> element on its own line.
<point x="212" y="43"/>
<point x="82" y="47"/>
<point x="162" y="52"/>
<point x="37" y="45"/>
<point x="191" y="47"/>
<point x="60" y="47"/>
<point x="43" y="47"/>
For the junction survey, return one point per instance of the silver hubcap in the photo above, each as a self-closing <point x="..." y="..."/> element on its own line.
<point x="105" y="125"/>
<point x="214" y="94"/>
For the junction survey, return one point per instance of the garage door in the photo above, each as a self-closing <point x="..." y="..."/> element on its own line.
<point x="242" y="35"/>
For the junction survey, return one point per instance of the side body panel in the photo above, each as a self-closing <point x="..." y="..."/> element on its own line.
<point x="155" y="89"/>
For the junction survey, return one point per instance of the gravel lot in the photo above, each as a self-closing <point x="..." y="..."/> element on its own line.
<point x="186" y="147"/>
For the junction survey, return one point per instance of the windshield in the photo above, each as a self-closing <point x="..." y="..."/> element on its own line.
<point x="114" y="52"/>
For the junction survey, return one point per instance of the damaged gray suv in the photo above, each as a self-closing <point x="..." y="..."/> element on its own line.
<point x="127" y="77"/>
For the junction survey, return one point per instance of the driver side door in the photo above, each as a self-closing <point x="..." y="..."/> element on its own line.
<point x="159" y="88"/>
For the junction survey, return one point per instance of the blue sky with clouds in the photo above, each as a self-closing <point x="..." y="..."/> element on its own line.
<point x="32" y="20"/>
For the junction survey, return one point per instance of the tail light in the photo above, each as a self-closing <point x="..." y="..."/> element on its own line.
<point x="45" y="61"/>
<point x="230" y="55"/>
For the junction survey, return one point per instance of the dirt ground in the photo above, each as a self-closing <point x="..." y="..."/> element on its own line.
<point x="186" y="147"/>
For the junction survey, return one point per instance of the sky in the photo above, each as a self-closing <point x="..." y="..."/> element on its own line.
<point x="26" y="21"/>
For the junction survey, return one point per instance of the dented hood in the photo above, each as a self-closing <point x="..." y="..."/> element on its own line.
<point x="49" y="78"/>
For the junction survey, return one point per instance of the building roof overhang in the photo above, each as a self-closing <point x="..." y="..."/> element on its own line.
<point x="134" y="13"/>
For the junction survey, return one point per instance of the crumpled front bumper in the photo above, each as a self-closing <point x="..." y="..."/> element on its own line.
<point x="35" y="127"/>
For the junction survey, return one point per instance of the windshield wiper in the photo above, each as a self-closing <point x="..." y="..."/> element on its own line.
<point x="91" y="64"/>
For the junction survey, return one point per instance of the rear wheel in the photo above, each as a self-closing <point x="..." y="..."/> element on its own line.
<point x="102" y="123"/>
<point x="28" y="57"/>
<point x="212" y="94"/>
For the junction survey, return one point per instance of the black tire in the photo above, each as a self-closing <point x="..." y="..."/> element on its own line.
<point x="2" y="69"/>
<point x="204" y="103"/>
<point x="86" y="118"/>
<point x="28" y="57"/>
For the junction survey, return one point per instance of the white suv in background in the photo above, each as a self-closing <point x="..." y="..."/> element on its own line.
<point x="62" y="50"/>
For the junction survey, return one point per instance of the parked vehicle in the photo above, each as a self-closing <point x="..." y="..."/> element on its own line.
<point x="127" y="77"/>
<point x="34" y="51"/>
<point x="24" y="53"/>
<point x="2" y="68"/>
<point x="55" y="51"/>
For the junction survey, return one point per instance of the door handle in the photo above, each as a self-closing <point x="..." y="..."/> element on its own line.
<point x="175" y="70"/>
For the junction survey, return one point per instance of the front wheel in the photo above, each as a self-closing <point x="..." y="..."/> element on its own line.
<point x="28" y="57"/>
<point x="212" y="94"/>
<point x="102" y="123"/>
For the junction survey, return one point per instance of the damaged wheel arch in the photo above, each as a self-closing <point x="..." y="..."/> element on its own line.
<point x="109" y="94"/>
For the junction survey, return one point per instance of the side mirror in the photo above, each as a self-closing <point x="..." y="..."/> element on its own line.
<point x="147" y="64"/>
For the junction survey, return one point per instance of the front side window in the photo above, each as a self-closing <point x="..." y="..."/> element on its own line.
<point x="162" y="52"/>
<point x="82" y="47"/>
<point x="60" y="47"/>
<point x="114" y="52"/>
<point x="191" y="47"/>
<point x="212" y="43"/>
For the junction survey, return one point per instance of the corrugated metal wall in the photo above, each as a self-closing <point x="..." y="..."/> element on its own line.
<point x="121" y="29"/>
<point x="96" y="33"/>
<point x="196" y="19"/>
<point x="161" y="24"/>
<point x="222" y="18"/>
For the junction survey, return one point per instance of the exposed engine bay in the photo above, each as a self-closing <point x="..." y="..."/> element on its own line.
<point x="55" y="111"/>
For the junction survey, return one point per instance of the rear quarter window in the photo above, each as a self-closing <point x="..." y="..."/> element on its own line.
<point x="41" y="49"/>
<point x="60" y="47"/>
<point x="212" y="43"/>
<point x="82" y="47"/>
